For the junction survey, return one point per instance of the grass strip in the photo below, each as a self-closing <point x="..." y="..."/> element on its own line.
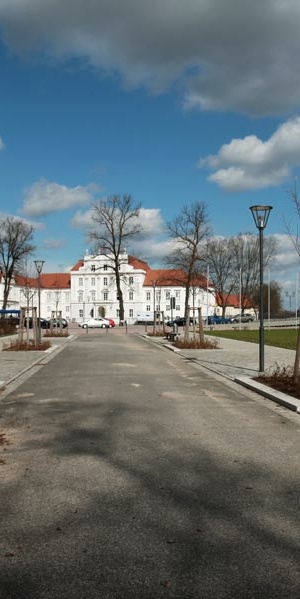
<point x="285" y="338"/>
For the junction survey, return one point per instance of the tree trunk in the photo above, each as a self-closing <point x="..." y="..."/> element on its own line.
<point x="201" y="330"/>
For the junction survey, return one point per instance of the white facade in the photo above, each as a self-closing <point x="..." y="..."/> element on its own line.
<point x="90" y="290"/>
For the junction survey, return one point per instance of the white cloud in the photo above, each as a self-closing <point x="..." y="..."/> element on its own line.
<point x="251" y="163"/>
<point x="53" y="244"/>
<point x="44" y="197"/>
<point x="149" y="245"/>
<point x="82" y="220"/>
<point x="2" y="145"/>
<point x="229" y="55"/>
<point x="35" y="225"/>
<point x="151" y="222"/>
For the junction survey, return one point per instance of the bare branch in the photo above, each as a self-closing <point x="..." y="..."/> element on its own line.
<point x="116" y="218"/>
<point x="15" y="245"/>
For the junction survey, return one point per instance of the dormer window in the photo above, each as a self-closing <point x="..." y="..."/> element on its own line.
<point x="105" y="267"/>
<point x="93" y="267"/>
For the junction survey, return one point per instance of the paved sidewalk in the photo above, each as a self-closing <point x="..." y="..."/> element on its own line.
<point x="236" y="360"/>
<point x="15" y="363"/>
<point x="239" y="361"/>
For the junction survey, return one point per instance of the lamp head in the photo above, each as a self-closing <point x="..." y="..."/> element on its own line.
<point x="39" y="265"/>
<point x="261" y="215"/>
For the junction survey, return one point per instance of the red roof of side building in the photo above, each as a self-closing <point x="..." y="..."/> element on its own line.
<point x="60" y="280"/>
<point x="233" y="301"/>
<point x="171" y="278"/>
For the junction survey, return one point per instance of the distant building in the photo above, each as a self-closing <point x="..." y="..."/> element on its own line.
<point x="90" y="290"/>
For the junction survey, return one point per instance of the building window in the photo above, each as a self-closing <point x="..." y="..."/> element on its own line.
<point x="177" y="308"/>
<point x="105" y="296"/>
<point x="177" y="294"/>
<point x="130" y="313"/>
<point x="93" y="296"/>
<point x="148" y="296"/>
<point x="48" y="309"/>
<point x="168" y="308"/>
<point x="130" y="296"/>
<point x="67" y="296"/>
<point x="105" y="267"/>
<point x="105" y="281"/>
<point x="80" y="313"/>
<point x="130" y="280"/>
<point x="80" y="296"/>
<point x="93" y="281"/>
<point x="167" y="295"/>
<point x="148" y="308"/>
<point x="118" y="313"/>
<point x="49" y="297"/>
<point x="80" y="282"/>
<point x="93" y="267"/>
<point x="67" y="309"/>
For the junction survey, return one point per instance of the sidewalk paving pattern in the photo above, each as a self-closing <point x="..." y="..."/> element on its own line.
<point x="133" y="472"/>
<point x="236" y="360"/>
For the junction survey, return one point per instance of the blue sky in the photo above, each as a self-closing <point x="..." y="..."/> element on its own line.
<point x="171" y="102"/>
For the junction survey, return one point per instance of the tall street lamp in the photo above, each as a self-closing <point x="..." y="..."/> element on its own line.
<point x="154" y="311"/>
<point x="261" y="215"/>
<point x="39" y="267"/>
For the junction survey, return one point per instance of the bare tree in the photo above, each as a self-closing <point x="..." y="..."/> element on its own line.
<point x="189" y="230"/>
<point x="220" y="253"/>
<point x="116" y="218"/>
<point x="15" y="245"/>
<point x="246" y="262"/>
<point x="234" y="266"/>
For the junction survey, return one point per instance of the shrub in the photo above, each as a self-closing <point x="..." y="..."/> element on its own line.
<point x="197" y="344"/>
<point x="56" y="334"/>
<point x="281" y="378"/>
<point x="26" y="346"/>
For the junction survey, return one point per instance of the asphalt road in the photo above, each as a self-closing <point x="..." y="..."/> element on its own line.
<point x="130" y="472"/>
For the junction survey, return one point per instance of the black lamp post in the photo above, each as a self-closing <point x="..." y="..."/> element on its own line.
<point x="154" y="310"/>
<point x="261" y="215"/>
<point x="39" y="267"/>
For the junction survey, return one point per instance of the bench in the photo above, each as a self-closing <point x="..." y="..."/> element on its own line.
<point x="171" y="336"/>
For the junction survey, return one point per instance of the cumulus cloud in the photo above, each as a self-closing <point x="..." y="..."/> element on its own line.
<point x="53" y="244"/>
<point x="251" y="163"/>
<point x="229" y="55"/>
<point x="44" y="197"/>
<point x="150" y="220"/>
<point x="37" y="226"/>
<point x="149" y="245"/>
<point x="82" y="219"/>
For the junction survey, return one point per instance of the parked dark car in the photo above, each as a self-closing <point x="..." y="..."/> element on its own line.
<point x="218" y="319"/>
<point x="180" y="321"/>
<point x="57" y="322"/>
<point x="242" y="318"/>
<point x="45" y="324"/>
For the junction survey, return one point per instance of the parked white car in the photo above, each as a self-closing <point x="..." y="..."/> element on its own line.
<point x="95" y="323"/>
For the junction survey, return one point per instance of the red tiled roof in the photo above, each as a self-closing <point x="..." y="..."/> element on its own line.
<point x="60" y="280"/>
<point x="172" y="278"/>
<point x="78" y="265"/>
<point x="137" y="263"/>
<point x="234" y="301"/>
